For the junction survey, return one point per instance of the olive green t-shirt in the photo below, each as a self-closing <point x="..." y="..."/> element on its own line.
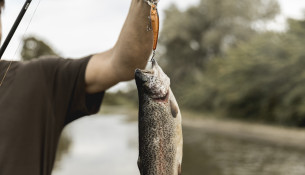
<point x="37" y="100"/>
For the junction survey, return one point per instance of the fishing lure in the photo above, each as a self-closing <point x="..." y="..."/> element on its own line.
<point x="154" y="24"/>
<point x="154" y="17"/>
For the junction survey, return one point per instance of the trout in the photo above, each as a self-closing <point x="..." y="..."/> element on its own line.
<point x="160" y="131"/>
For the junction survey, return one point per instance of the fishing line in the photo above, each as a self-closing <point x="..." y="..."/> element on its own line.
<point x="27" y="28"/>
<point x="12" y="31"/>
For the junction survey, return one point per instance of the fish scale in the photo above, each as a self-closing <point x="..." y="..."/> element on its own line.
<point x="160" y="131"/>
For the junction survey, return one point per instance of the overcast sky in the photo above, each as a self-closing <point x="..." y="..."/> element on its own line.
<point x="73" y="27"/>
<point x="76" y="27"/>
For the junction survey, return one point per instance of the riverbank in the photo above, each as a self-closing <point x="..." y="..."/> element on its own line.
<point x="266" y="134"/>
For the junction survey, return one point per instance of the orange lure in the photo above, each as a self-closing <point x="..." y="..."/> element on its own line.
<point x="154" y="16"/>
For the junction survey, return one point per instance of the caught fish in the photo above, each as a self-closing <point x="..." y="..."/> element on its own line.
<point x="160" y="131"/>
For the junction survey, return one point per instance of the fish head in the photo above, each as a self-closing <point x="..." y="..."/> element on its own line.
<point x="154" y="82"/>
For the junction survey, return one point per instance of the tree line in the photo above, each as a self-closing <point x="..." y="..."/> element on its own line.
<point x="222" y="59"/>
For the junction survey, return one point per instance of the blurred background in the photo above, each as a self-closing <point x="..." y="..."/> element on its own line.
<point x="236" y="68"/>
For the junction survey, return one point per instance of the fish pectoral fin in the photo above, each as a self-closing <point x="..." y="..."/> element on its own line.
<point x="174" y="109"/>
<point x="179" y="169"/>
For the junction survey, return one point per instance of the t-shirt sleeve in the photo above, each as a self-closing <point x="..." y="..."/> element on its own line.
<point x="68" y="88"/>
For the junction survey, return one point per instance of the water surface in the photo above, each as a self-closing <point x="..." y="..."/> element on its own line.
<point x="108" y="145"/>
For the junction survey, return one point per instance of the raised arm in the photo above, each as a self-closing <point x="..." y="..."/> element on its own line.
<point x="131" y="51"/>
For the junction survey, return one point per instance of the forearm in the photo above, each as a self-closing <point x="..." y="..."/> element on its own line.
<point x="131" y="51"/>
<point x="134" y="45"/>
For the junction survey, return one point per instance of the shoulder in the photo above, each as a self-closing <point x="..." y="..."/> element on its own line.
<point x="50" y="63"/>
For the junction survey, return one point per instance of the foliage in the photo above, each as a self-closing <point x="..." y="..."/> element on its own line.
<point x="64" y="145"/>
<point x="262" y="79"/>
<point x="206" y="31"/>
<point x="220" y="59"/>
<point x="34" y="48"/>
<point x="121" y="98"/>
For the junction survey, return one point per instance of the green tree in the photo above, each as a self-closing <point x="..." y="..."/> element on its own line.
<point x="64" y="145"/>
<point x="262" y="79"/>
<point x="206" y="31"/>
<point x="34" y="48"/>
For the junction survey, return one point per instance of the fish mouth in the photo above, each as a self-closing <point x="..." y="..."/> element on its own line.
<point x="143" y="74"/>
<point x="153" y="81"/>
<point x="149" y="71"/>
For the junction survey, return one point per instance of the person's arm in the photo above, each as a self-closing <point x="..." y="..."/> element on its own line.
<point x="131" y="51"/>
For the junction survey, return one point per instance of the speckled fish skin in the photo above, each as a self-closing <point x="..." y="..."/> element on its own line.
<point x="160" y="131"/>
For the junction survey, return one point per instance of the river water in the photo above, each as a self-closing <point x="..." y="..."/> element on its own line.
<point x="108" y="145"/>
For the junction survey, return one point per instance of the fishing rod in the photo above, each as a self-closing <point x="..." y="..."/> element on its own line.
<point x="14" y="27"/>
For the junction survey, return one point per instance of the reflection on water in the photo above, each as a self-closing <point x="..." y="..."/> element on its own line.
<point x="218" y="155"/>
<point x="101" y="145"/>
<point x="108" y="145"/>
